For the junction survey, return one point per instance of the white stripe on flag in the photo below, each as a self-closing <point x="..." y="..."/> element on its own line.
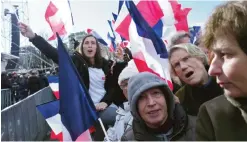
<point x="66" y="135"/>
<point x="168" y="20"/>
<point x="147" y="48"/>
<point x="55" y="123"/>
<point x="54" y="87"/>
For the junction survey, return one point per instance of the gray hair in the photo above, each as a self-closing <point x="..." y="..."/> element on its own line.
<point x="192" y="50"/>
<point x="176" y="37"/>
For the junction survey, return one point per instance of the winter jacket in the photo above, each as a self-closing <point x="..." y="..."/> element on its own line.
<point x="123" y="122"/>
<point x="183" y="129"/>
<point x="33" y="84"/>
<point x="222" y="119"/>
<point x="43" y="81"/>
<point x="192" y="97"/>
<point x="116" y="92"/>
<point x="79" y="63"/>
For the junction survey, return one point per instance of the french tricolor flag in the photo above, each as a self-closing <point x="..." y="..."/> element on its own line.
<point x="148" y="50"/>
<point x="95" y="34"/>
<point x="77" y="110"/>
<point x="113" y="45"/>
<point x="53" y="83"/>
<point x="59" y="17"/>
<point x="145" y="7"/>
<point x="50" y="111"/>
<point x="166" y="21"/>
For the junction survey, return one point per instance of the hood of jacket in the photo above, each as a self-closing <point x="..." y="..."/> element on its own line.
<point x="180" y="126"/>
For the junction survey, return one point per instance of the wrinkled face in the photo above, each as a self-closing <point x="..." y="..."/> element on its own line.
<point x="189" y="69"/>
<point x="89" y="47"/>
<point x="184" y="40"/>
<point x="229" y="65"/>
<point x="124" y="87"/>
<point x="152" y="107"/>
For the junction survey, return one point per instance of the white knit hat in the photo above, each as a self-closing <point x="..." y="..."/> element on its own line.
<point x="128" y="72"/>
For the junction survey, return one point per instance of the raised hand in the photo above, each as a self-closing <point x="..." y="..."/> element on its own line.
<point x="26" y="31"/>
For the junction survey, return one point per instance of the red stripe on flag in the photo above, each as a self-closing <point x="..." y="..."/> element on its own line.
<point x="51" y="10"/>
<point x="92" y="129"/>
<point x="151" y="12"/>
<point x="122" y="29"/>
<point x="111" y="49"/>
<point x="59" y="136"/>
<point x="142" y="66"/>
<point x="180" y="16"/>
<point x="56" y="24"/>
<point x="56" y="94"/>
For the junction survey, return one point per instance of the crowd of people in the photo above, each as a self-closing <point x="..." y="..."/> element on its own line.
<point x="23" y="84"/>
<point x="209" y="100"/>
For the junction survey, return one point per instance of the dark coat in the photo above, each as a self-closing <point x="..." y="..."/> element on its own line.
<point x="79" y="63"/>
<point x="43" y="81"/>
<point x="117" y="93"/>
<point x="183" y="129"/>
<point x="192" y="97"/>
<point x="33" y="84"/>
<point x="221" y="120"/>
<point x="5" y="83"/>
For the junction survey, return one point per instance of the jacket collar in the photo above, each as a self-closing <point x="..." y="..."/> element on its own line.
<point x="239" y="105"/>
<point x="180" y="122"/>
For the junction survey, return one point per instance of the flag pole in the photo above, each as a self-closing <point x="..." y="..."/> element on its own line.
<point x="103" y="128"/>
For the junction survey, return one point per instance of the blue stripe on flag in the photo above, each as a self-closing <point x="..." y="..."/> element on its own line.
<point x="114" y="16"/>
<point x="53" y="79"/>
<point x="193" y="33"/>
<point x="120" y="5"/>
<point x="112" y="40"/>
<point x="110" y="24"/>
<point x="100" y="39"/>
<point x="158" y="28"/>
<point x="145" y="30"/>
<point x="77" y="110"/>
<point x="49" y="109"/>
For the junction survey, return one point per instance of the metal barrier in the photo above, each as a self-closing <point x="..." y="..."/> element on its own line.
<point x="23" y="122"/>
<point x="6" y="98"/>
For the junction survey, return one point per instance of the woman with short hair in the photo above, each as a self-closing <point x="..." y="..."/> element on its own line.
<point x="225" y="117"/>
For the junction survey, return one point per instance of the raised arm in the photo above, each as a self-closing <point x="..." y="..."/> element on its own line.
<point x="47" y="49"/>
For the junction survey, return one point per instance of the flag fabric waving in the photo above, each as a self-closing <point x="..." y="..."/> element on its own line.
<point x="59" y="17"/>
<point x="113" y="32"/>
<point x="149" y="51"/>
<point x="146" y="9"/>
<point x="114" y="16"/>
<point x="95" y="34"/>
<point x="77" y="110"/>
<point x="112" y="46"/>
<point x="172" y="18"/>
<point x="194" y="33"/>
<point x="53" y="83"/>
<point x="50" y="112"/>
